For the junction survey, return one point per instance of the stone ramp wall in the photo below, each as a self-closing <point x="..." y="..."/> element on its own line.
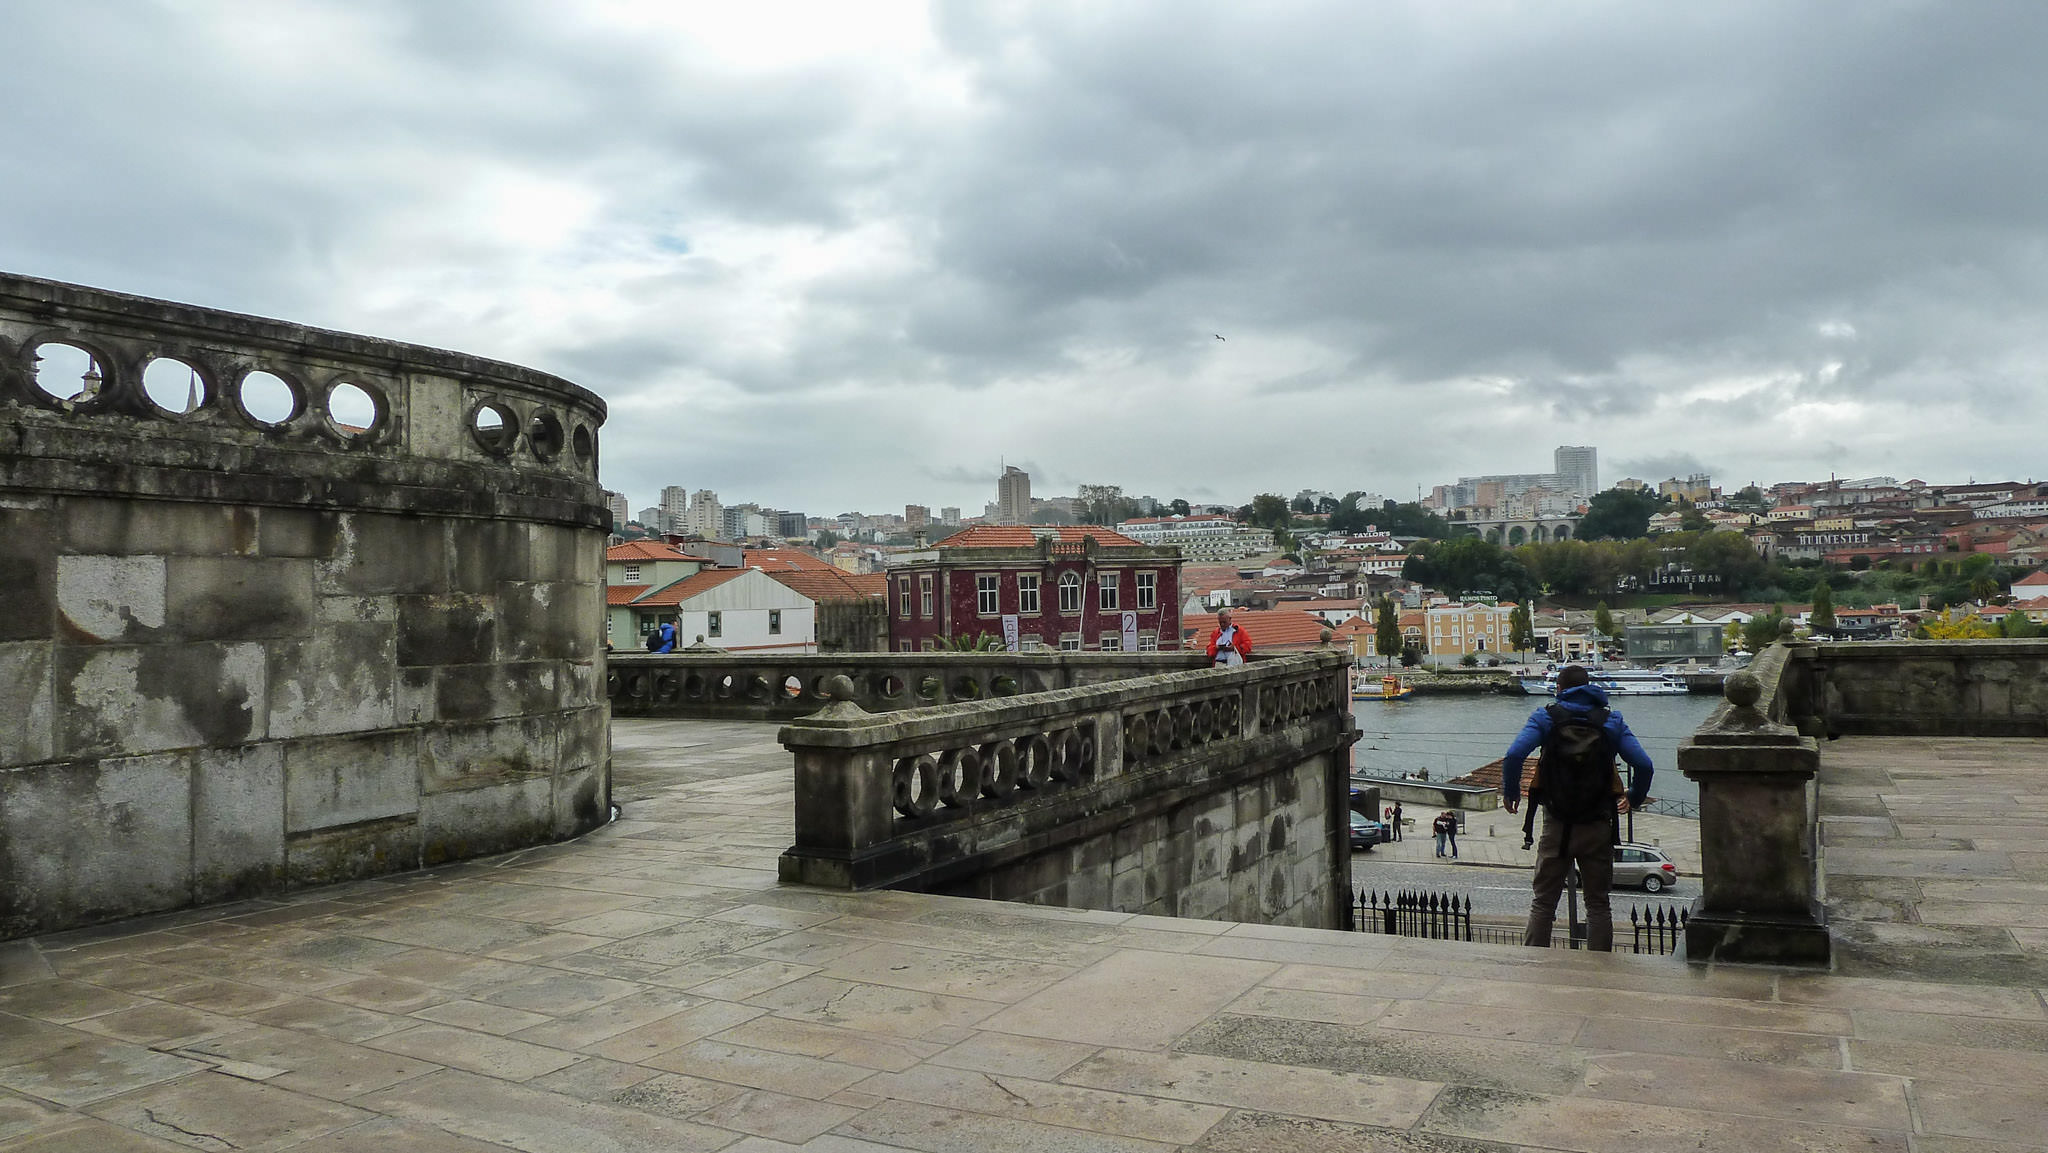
<point x="239" y="655"/>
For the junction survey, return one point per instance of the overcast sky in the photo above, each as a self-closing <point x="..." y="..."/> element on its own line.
<point x="847" y="255"/>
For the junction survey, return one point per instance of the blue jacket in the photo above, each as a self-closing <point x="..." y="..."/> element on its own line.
<point x="1582" y="699"/>
<point x="668" y="639"/>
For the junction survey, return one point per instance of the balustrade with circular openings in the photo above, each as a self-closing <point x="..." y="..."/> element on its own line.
<point x="962" y="778"/>
<point x="1172" y="726"/>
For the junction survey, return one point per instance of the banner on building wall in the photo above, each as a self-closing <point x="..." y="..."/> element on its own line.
<point x="1130" y="632"/>
<point x="1010" y="639"/>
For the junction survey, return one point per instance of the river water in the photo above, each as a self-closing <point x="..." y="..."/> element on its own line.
<point x="1452" y="734"/>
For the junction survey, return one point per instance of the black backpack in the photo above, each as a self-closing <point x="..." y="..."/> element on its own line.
<point x="1576" y="779"/>
<point x="654" y="640"/>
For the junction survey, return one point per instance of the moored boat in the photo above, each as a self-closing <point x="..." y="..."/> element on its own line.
<point x="1615" y="682"/>
<point x="1385" y="688"/>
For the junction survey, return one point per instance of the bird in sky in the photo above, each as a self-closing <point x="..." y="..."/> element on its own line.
<point x="1218" y="336"/>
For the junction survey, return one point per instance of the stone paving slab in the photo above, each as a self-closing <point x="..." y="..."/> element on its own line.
<point x="652" y="987"/>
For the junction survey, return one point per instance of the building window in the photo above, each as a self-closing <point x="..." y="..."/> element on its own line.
<point x="1148" y="590"/>
<point x="1070" y="598"/>
<point x="1030" y="644"/>
<point x="903" y="598"/>
<point x="714" y="624"/>
<point x="1071" y="643"/>
<point x="985" y="585"/>
<point x="1106" y="583"/>
<point x="632" y="574"/>
<point x="774" y="622"/>
<point x="1027" y="592"/>
<point x="1148" y="642"/>
<point x="906" y="646"/>
<point x="1112" y="642"/>
<point x="924" y="596"/>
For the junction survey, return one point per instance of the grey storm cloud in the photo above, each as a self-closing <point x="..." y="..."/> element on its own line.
<point x="1437" y="239"/>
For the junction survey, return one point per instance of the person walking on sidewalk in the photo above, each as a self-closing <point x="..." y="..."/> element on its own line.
<point x="1580" y="794"/>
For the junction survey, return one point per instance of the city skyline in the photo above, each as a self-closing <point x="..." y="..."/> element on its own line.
<point x="846" y="256"/>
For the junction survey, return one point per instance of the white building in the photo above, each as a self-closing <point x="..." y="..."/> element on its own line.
<point x="1201" y="537"/>
<point x="740" y="610"/>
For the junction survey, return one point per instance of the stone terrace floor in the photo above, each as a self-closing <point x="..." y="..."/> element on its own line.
<point x="651" y="987"/>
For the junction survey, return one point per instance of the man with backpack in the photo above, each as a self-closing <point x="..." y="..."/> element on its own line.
<point x="1581" y="794"/>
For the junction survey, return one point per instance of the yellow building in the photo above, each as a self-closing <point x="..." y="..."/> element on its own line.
<point x="1457" y="629"/>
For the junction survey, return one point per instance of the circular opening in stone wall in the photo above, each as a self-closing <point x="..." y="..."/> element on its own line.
<point x="269" y="399"/>
<point x="68" y="372"/>
<point x="353" y="409"/>
<point x="173" y="386"/>
<point x="545" y="435"/>
<point x="584" y="443"/>
<point x="495" y="427"/>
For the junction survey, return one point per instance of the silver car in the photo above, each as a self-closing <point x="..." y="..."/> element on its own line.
<point x="1643" y="865"/>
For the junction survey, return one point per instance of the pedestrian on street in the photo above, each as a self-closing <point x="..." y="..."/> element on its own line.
<point x="1397" y="820"/>
<point x="1442" y="827"/>
<point x="1452" y="818"/>
<point x="1581" y="795"/>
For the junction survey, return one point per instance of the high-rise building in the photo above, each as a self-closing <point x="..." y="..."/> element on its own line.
<point x="1579" y="467"/>
<point x="950" y="515"/>
<point x="651" y="517"/>
<point x="675" y="509"/>
<point x="621" y="511"/>
<point x="707" y="516"/>
<point x="1013" y="496"/>
<point x="916" y="517"/>
<point x="792" y="525"/>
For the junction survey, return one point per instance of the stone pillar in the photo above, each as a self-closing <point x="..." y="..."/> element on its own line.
<point x="1757" y="837"/>
<point x="845" y="804"/>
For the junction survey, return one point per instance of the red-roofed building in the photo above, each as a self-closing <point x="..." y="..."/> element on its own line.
<point x="1078" y="588"/>
<point x="853" y="610"/>
<point x="737" y="609"/>
<point x="774" y="560"/>
<point x="1272" y="630"/>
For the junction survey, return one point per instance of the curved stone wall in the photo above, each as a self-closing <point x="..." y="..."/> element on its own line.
<point x="281" y="606"/>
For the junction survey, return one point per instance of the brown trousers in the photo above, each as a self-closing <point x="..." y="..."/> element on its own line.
<point x="1592" y="847"/>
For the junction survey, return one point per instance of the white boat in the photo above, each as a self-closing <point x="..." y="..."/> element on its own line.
<point x="1615" y="683"/>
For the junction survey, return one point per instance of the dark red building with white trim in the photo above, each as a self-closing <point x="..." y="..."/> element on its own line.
<point x="1067" y="587"/>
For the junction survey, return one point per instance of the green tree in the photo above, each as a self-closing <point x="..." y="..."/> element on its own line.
<point x="1750" y="499"/>
<point x="1301" y="504"/>
<point x="2019" y="626"/>
<point x="1620" y="514"/>
<point x="1386" y="635"/>
<point x="1822" y="618"/>
<point x="1178" y="507"/>
<point x="1729" y="556"/>
<point x="1763" y="631"/>
<point x="1269" y="510"/>
<point x="825" y="539"/>
<point x="1521" y="628"/>
<point x="1603" y="620"/>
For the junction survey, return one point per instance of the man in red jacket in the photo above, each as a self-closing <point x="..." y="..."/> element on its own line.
<point x="1228" y="645"/>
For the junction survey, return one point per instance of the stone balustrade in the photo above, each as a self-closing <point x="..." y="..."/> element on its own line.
<point x="1755" y="761"/>
<point x="742" y="686"/>
<point x="1206" y="793"/>
<point x="281" y="606"/>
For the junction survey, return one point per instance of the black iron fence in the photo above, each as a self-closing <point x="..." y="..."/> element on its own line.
<point x="1448" y="917"/>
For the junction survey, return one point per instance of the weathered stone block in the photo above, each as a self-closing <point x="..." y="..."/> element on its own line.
<point x="456" y="757"/>
<point x="221" y="598"/>
<point x="28" y="570"/>
<point x="112" y="598"/>
<point x="341" y="679"/>
<point x="582" y="799"/>
<point x="162" y="527"/>
<point x="486" y="555"/>
<point x="375" y="553"/>
<point x="480" y="692"/>
<point x="295" y="532"/>
<point x="446" y="629"/>
<point x="137" y="856"/>
<point x="26" y="734"/>
<point x="347" y="852"/>
<point x="333" y="781"/>
<point x="543" y="620"/>
<point x="237" y="822"/>
<point x="153" y="698"/>
<point x="472" y="822"/>
<point x="586" y="738"/>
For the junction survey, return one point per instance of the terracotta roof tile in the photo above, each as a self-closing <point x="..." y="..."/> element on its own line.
<point x="774" y="560"/>
<point x="669" y="596"/>
<point x="1269" y="629"/>
<point x="634" y="550"/>
<point x="615" y="595"/>
<point x="829" y="584"/>
<point x="1026" y="536"/>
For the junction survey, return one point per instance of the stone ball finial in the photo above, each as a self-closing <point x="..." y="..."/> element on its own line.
<point x="1743" y="690"/>
<point x="1327" y="634"/>
<point x="1785" y="629"/>
<point x="839" y="687"/>
<point x="700" y="638"/>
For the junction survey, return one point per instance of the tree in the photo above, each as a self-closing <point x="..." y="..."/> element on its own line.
<point x="1970" y="628"/>
<point x="1178" y="507"/>
<point x="1727" y="555"/>
<point x="1103" y="504"/>
<point x="1731" y="636"/>
<point x="2019" y="626"/>
<point x="825" y="539"/>
<point x="1386" y="634"/>
<point x="1750" y="499"/>
<point x="1620" y="514"/>
<point x="1050" y="515"/>
<point x="1763" y="631"/>
<point x="1822" y="618"/>
<point x="1327" y="505"/>
<point x="1301" y="504"/>
<point x="1603" y="620"/>
<point x="1521" y="628"/>
<point x="1269" y="510"/>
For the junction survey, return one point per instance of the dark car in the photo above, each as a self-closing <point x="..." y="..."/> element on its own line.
<point x="1366" y="832"/>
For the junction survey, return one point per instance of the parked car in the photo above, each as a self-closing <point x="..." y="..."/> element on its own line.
<point x="1366" y="832"/>
<point x="1644" y="865"/>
